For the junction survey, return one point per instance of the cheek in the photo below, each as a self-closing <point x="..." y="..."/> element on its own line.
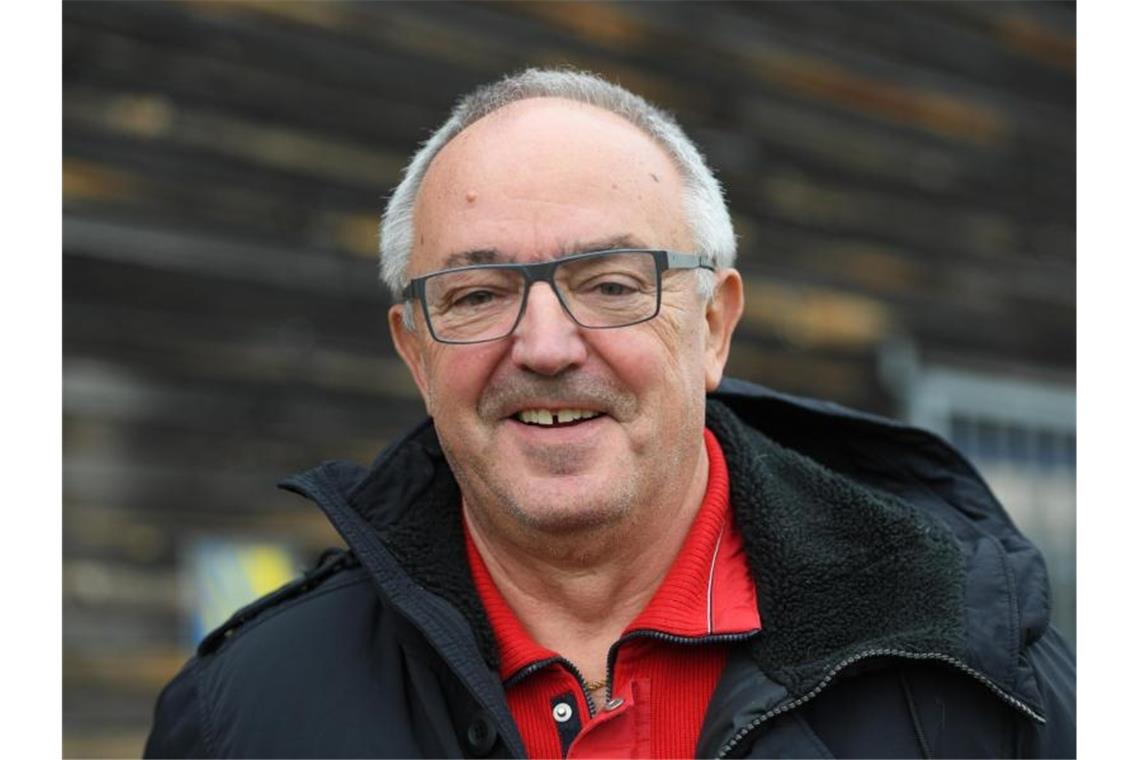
<point x="681" y="335"/>
<point x="665" y="364"/>
<point x="458" y="374"/>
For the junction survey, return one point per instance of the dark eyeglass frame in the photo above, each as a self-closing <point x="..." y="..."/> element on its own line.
<point x="543" y="271"/>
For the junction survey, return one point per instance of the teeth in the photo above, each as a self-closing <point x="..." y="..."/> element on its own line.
<point x="537" y="417"/>
<point x="547" y="417"/>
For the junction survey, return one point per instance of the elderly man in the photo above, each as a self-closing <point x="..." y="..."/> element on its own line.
<point x="583" y="554"/>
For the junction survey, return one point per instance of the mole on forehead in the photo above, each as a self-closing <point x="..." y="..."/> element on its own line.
<point x="496" y="256"/>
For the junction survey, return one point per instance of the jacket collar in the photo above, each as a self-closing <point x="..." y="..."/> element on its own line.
<point x="840" y="569"/>
<point x="1004" y="587"/>
<point x="862" y="534"/>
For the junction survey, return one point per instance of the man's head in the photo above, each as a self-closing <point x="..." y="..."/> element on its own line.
<point x="532" y="169"/>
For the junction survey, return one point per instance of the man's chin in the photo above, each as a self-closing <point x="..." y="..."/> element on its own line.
<point x="571" y="503"/>
<point x="568" y="518"/>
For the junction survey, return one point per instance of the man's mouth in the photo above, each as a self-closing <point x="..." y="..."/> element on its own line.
<point x="554" y="417"/>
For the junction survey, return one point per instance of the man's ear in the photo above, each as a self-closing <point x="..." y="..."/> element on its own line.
<point x="410" y="348"/>
<point x="722" y="312"/>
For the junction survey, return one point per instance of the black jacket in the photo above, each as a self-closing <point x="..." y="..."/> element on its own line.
<point x="904" y="614"/>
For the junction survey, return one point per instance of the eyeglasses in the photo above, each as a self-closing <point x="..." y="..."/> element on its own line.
<point x="601" y="290"/>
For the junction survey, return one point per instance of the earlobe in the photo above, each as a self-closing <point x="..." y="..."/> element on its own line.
<point x="722" y="313"/>
<point x="408" y="346"/>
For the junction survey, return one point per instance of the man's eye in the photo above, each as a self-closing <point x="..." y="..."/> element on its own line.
<point x="612" y="288"/>
<point x="472" y="299"/>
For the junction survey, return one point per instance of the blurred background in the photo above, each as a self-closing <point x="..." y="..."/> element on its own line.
<point x="901" y="175"/>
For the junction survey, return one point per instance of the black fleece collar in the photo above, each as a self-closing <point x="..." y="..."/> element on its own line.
<point x="839" y="569"/>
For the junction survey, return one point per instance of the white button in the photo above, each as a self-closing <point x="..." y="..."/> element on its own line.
<point x="614" y="703"/>
<point x="563" y="712"/>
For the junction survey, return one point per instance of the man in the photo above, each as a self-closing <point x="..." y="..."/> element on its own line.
<point x="582" y="555"/>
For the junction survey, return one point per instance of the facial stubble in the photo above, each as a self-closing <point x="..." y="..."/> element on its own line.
<point x="552" y="508"/>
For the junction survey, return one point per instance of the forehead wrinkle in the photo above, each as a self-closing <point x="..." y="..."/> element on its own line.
<point x="476" y="256"/>
<point x="625" y="240"/>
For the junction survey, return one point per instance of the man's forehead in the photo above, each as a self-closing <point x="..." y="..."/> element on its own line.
<point x="546" y="178"/>
<point x="527" y="138"/>
<point x="562" y="115"/>
<point x="498" y="256"/>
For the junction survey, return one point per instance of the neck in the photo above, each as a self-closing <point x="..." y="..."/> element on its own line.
<point x="575" y="594"/>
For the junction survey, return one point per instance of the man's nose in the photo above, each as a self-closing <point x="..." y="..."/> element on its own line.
<point x="547" y="340"/>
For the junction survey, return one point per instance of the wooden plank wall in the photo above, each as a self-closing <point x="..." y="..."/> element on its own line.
<point x="894" y="169"/>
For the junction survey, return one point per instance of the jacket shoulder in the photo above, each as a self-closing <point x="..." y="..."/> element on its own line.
<point x="266" y="635"/>
<point x="332" y="571"/>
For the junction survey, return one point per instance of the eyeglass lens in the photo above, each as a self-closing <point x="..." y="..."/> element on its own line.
<point x="484" y="303"/>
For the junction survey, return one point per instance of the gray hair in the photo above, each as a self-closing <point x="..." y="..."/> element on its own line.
<point x="708" y="218"/>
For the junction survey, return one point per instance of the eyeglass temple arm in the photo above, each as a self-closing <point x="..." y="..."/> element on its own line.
<point x="688" y="261"/>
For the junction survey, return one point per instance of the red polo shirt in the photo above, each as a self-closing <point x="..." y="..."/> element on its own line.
<point x="664" y="667"/>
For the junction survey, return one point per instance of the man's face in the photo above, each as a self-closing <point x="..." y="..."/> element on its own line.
<point x="533" y="181"/>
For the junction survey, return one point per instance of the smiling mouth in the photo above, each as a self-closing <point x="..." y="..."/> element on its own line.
<point x="554" y="417"/>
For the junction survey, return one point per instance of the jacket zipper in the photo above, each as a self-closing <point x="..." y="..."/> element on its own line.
<point x="611" y="657"/>
<point x="819" y="687"/>
<point x="536" y="666"/>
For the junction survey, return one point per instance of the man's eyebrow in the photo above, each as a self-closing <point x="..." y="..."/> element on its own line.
<point x="605" y="244"/>
<point x="476" y="256"/>
<point x="495" y="256"/>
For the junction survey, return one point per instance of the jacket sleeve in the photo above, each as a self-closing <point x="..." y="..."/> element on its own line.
<point x="1055" y="666"/>
<point x="178" y="729"/>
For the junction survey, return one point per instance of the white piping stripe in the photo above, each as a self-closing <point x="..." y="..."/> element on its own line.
<point x="712" y="569"/>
